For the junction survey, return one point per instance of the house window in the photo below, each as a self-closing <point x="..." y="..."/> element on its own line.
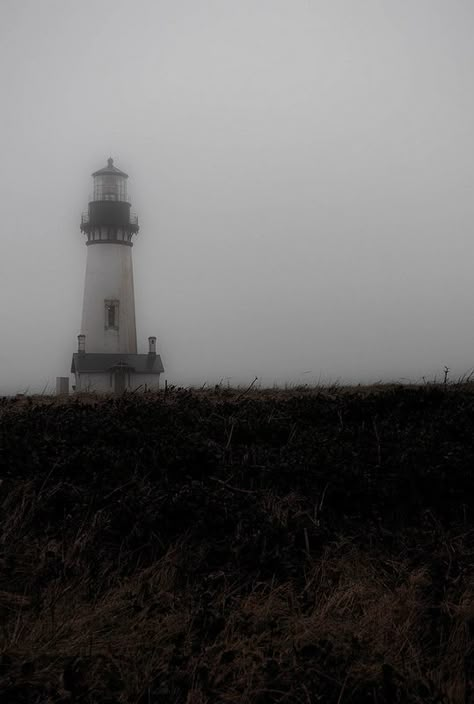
<point x="111" y="315"/>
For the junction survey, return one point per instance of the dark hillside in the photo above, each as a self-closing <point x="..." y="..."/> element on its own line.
<point x="229" y="547"/>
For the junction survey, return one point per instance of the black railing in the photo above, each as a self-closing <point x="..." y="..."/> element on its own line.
<point x="133" y="219"/>
<point x="98" y="196"/>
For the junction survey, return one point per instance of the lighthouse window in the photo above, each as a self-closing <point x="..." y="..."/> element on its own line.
<point x="110" y="187"/>
<point x="111" y="315"/>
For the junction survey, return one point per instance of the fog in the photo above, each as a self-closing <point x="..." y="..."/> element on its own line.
<point x="302" y="171"/>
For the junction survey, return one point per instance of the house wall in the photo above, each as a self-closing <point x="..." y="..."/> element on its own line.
<point x="151" y="381"/>
<point x="94" y="382"/>
<point x="100" y="382"/>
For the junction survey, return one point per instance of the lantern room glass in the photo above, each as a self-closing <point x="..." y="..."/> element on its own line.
<point x="110" y="187"/>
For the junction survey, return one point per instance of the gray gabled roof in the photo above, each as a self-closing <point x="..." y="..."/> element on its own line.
<point x="110" y="169"/>
<point x="83" y="362"/>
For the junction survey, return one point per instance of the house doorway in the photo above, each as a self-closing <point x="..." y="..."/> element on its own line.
<point x="120" y="380"/>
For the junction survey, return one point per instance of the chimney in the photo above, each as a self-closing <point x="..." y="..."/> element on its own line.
<point x="152" y="345"/>
<point x="81" y="344"/>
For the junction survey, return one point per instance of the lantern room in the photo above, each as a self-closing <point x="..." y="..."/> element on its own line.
<point x="110" y="183"/>
<point x="108" y="218"/>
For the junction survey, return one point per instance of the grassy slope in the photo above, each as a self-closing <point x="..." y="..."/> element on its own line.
<point x="303" y="546"/>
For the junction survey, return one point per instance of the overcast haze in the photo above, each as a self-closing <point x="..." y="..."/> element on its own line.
<point x="302" y="171"/>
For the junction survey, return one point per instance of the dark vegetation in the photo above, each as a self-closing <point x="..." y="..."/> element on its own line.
<point x="193" y="547"/>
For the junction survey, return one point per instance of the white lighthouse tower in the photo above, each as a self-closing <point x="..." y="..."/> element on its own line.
<point x="107" y="358"/>
<point x="108" y="313"/>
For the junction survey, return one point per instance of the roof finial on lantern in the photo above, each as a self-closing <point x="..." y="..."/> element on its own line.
<point x="110" y="162"/>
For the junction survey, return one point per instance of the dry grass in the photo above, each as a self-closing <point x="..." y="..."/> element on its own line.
<point x="217" y="567"/>
<point x="353" y="615"/>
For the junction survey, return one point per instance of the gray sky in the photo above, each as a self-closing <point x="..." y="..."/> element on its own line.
<point x="302" y="170"/>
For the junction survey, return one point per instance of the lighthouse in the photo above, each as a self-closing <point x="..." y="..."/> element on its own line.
<point x="107" y="359"/>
